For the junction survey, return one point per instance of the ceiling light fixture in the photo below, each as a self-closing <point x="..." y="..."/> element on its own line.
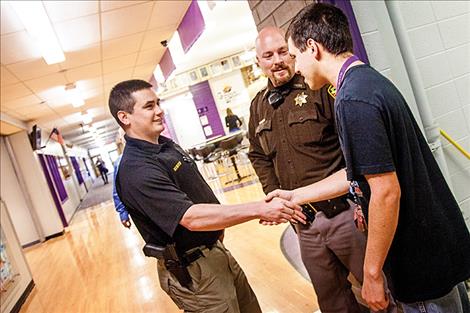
<point x="74" y="96"/>
<point x="34" y="18"/>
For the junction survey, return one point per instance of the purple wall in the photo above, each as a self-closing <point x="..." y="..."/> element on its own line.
<point x="205" y="105"/>
<point x="166" y="64"/>
<point x="191" y="27"/>
<point x="345" y="6"/>
<point x="50" y="184"/>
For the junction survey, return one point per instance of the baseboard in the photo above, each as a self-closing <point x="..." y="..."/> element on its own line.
<point x="55" y="235"/>
<point x="23" y="297"/>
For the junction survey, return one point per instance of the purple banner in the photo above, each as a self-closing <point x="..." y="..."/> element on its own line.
<point x="345" y="6"/>
<point x="205" y="105"/>
<point x="58" y="183"/>
<point x="52" y="190"/>
<point x="191" y="27"/>
<point x="166" y="64"/>
<point x="76" y="167"/>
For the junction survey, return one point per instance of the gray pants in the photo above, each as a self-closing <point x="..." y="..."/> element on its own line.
<point x="219" y="285"/>
<point x="330" y="249"/>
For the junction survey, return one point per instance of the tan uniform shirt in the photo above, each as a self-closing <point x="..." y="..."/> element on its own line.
<point x="295" y="144"/>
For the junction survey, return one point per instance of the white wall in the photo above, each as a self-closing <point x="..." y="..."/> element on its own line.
<point x="238" y="99"/>
<point x="11" y="193"/>
<point x="36" y="184"/>
<point x="185" y="119"/>
<point x="439" y="33"/>
<point x="16" y="257"/>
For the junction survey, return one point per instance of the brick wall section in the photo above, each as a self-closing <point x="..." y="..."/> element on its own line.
<point x="275" y="12"/>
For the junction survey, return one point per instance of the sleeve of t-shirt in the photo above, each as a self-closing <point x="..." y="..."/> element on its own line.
<point x="157" y="197"/>
<point x="364" y="138"/>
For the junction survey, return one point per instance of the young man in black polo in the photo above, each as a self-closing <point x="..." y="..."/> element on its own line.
<point x="414" y="221"/>
<point x="173" y="207"/>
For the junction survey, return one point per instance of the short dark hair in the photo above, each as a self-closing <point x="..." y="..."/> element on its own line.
<point x="121" y="99"/>
<point x="324" y="23"/>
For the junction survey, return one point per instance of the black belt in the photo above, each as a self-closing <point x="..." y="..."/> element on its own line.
<point x="330" y="208"/>
<point x="189" y="257"/>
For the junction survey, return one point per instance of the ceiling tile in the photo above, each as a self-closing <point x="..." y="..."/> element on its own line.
<point x="83" y="72"/>
<point x="78" y="33"/>
<point x="21" y="102"/>
<point x="125" y="21"/>
<point x="43" y="84"/>
<point x="88" y="55"/>
<point x="145" y="70"/>
<point x="33" y="69"/>
<point x="32" y="108"/>
<point x="90" y="84"/>
<point x="43" y="111"/>
<point x="9" y="21"/>
<point x="153" y="37"/>
<point x="12" y="92"/>
<point x="167" y="13"/>
<point x="66" y="10"/>
<point x="148" y="56"/>
<point x="17" y="47"/>
<point x="8" y="129"/>
<point x="112" y="5"/>
<point x="6" y="77"/>
<point x="18" y="116"/>
<point x="116" y="77"/>
<point x="122" y="46"/>
<point x="120" y="63"/>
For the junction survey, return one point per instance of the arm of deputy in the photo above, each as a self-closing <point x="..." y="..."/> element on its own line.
<point x="208" y="217"/>
<point x="262" y="164"/>
<point x="383" y="220"/>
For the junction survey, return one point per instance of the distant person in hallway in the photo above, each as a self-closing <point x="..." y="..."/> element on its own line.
<point x="120" y="207"/>
<point x="175" y="210"/>
<point x="293" y="143"/>
<point x="232" y="121"/>
<point x="414" y="222"/>
<point x="103" y="170"/>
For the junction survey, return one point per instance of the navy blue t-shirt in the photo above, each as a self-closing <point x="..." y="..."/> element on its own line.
<point x="430" y="252"/>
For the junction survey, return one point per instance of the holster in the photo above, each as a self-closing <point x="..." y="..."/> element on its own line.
<point x="180" y="272"/>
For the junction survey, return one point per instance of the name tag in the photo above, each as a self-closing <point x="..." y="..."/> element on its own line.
<point x="177" y="166"/>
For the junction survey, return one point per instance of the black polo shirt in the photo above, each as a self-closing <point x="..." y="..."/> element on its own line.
<point x="158" y="183"/>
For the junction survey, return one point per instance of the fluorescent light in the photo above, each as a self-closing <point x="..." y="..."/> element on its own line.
<point x="74" y="96"/>
<point x="34" y="18"/>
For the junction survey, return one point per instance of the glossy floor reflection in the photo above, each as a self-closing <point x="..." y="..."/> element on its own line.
<point x="98" y="266"/>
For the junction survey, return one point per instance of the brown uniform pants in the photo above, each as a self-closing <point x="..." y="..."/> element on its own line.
<point x="219" y="285"/>
<point x="330" y="249"/>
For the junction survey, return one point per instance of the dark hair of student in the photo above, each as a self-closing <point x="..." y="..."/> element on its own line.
<point x="324" y="23"/>
<point x="120" y="97"/>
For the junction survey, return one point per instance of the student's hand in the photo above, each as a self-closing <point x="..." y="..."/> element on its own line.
<point x="126" y="223"/>
<point x="373" y="292"/>
<point x="282" y="211"/>
<point x="279" y="193"/>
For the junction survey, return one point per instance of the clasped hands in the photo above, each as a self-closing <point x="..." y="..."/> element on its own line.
<point x="281" y="208"/>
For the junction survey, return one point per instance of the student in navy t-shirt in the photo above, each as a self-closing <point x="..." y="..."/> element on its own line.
<point x="414" y="222"/>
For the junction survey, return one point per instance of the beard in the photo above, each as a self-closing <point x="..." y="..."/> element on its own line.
<point x="281" y="80"/>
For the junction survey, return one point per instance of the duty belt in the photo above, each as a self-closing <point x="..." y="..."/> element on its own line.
<point x="175" y="263"/>
<point x="330" y="208"/>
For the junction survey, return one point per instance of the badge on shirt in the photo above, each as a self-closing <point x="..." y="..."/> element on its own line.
<point x="332" y="91"/>
<point x="300" y="99"/>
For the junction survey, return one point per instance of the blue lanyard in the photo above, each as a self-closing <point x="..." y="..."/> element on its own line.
<point x="343" y="69"/>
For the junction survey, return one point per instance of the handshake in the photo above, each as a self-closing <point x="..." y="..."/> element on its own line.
<point x="279" y="206"/>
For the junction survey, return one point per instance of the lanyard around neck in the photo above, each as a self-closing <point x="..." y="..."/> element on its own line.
<point x="343" y="69"/>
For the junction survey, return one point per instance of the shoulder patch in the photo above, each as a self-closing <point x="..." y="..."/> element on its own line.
<point x="332" y="91"/>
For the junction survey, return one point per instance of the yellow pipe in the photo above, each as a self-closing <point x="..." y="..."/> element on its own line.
<point x="455" y="144"/>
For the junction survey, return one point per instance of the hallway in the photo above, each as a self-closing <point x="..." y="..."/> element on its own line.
<point x="98" y="266"/>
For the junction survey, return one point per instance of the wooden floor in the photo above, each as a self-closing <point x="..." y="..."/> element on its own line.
<point x="98" y="266"/>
